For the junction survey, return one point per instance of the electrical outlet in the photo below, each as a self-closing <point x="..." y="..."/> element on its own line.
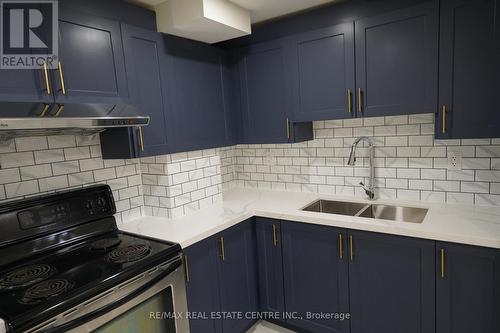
<point x="454" y="160"/>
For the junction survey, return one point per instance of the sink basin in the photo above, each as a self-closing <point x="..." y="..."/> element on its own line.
<point x="335" y="207"/>
<point x="395" y="213"/>
<point x="385" y="212"/>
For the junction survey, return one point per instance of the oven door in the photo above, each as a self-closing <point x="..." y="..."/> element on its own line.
<point x="154" y="301"/>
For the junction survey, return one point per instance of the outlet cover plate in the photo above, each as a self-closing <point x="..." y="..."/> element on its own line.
<point x="454" y="160"/>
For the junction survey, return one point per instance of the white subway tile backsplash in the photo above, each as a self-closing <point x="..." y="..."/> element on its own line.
<point x="475" y="187"/>
<point x="31" y="143"/>
<point x="49" y="156"/>
<point x="14" y="190"/>
<point x="13" y="160"/>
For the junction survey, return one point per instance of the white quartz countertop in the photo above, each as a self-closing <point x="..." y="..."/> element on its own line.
<point x="466" y="224"/>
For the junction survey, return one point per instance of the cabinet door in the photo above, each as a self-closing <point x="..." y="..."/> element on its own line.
<point x="145" y="58"/>
<point x="270" y="265"/>
<point x="469" y="70"/>
<point x="468" y="289"/>
<point x="202" y="286"/>
<point x="315" y="275"/>
<point x="392" y="284"/>
<point x="323" y="73"/>
<point x="396" y="61"/>
<point x="237" y="275"/>
<point x="265" y="93"/>
<point x="22" y="85"/>
<point x="91" y="55"/>
<point x="199" y="89"/>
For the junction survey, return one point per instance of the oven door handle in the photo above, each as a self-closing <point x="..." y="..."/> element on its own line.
<point x="110" y="307"/>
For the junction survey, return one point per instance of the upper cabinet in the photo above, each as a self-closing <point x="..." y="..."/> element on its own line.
<point x="322" y="66"/>
<point x="469" y="70"/>
<point x="266" y="96"/>
<point x="91" y="68"/>
<point x="199" y="90"/>
<point x="147" y="77"/>
<point x="396" y="62"/>
<point x="25" y="85"/>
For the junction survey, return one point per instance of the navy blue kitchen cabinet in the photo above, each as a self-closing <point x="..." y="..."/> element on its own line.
<point x="322" y="69"/>
<point x="22" y="85"/>
<point x="202" y="285"/>
<point x="238" y="276"/>
<point x="315" y="270"/>
<point x="468" y="289"/>
<point x="469" y="70"/>
<point x="221" y="278"/>
<point x="270" y="265"/>
<point x="397" y="61"/>
<point x="147" y="77"/>
<point x="199" y="89"/>
<point x="391" y="283"/>
<point x="91" y="57"/>
<point x="265" y="113"/>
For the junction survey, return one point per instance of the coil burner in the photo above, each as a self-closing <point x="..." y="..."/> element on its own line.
<point x="128" y="253"/>
<point x="105" y="244"/>
<point x="46" y="289"/>
<point x="25" y="276"/>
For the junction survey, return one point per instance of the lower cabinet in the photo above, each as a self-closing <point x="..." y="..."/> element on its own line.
<point x="270" y="265"/>
<point x="221" y="279"/>
<point x="468" y="289"/>
<point x="316" y="277"/>
<point x="202" y="285"/>
<point x="391" y="283"/>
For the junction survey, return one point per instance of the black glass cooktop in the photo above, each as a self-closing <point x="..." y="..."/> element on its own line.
<point x="76" y="272"/>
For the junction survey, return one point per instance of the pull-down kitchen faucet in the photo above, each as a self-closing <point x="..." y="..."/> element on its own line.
<point x="370" y="189"/>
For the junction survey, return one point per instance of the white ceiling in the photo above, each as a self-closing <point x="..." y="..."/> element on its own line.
<point x="260" y="10"/>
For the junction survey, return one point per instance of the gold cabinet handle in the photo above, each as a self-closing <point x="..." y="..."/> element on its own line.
<point x="186" y="267"/>
<point x="349" y="100"/>
<point x="61" y="77"/>
<point x="444" y="110"/>
<point x="222" y="250"/>
<point x="141" y="138"/>
<point x="46" y="74"/>
<point x="351" y="251"/>
<point x="288" y="128"/>
<point x="442" y="263"/>
<point x="275" y="236"/>
<point x="341" y="247"/>
<point x="59" y="110"/>
<point x="44" y="111"/>
<point x="360" y="100"/>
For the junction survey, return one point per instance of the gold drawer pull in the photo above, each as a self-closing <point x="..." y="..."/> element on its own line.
<point x="141" y="138"/>
<point x="44" y="111"/>
<point x="222" y="250"/>
<point x="360" y="100"/>
<point x="349" y="100"/>
<point x="186" y="267"/>
<point x="46" y="74"/>
<point x="275" y="236"/>
<point x="61" y="77"/>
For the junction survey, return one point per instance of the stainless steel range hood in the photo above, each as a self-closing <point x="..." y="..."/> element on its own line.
<point x="36" y="119"/>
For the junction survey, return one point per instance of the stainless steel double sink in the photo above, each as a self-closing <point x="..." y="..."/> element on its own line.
<point x="377" y="211"/>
